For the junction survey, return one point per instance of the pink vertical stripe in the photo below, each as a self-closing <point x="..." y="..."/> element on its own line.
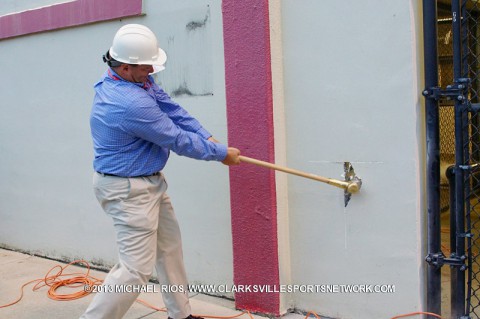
<point x="65" y="15"/>
<point x="250" y="128"/>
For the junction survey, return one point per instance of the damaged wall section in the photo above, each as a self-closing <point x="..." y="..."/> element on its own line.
<point x="188" y="43"/>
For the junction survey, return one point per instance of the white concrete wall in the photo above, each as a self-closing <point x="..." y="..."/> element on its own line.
<point x="47" y="203"/>
<point x="352" y="93"/>
<point x="351" y="83"/>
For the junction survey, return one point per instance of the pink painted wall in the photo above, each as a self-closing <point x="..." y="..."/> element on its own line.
<point x="65" y="15"/>
<point x="250" y="128"/>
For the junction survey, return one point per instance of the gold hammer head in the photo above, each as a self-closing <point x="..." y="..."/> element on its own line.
<point x="354" y="183"/>
<point x="354" y="186"/>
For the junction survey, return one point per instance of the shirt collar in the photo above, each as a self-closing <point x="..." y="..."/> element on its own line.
<point x="114" y="76"/>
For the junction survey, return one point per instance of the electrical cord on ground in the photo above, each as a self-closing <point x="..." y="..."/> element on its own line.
<point x="74" y="280"/>
<point x="54" y="281"/>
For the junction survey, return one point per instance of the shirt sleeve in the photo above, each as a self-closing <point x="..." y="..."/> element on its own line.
<point x="144" y="119"/>
<point x="178" y="114"/>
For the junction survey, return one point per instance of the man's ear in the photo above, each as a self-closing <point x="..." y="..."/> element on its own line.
<point x="124" y="67"/>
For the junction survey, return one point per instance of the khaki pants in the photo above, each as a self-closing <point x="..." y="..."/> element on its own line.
<point x="148" y="236"/>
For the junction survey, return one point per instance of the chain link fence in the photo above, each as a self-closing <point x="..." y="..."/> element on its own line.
<point x="470" y="61"/>
<point x="470" y="66"/>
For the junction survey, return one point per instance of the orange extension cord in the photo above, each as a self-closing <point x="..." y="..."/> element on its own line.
<point x="75" y="280"/>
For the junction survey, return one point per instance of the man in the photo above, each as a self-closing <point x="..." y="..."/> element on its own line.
<point x="134" y="126"/>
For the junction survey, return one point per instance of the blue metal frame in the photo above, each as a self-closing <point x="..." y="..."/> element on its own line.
<point x="433" y="155"/>
<point x="459" y="186"/>
<point x="457" y="275"/>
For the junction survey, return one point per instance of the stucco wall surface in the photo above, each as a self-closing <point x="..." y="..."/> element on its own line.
<point x="47" y="202"/>
<point x="352" y="93"/>
<point x="345" y="85"/>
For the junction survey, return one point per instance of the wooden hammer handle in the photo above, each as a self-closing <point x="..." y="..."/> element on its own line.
<point x="330" y="181"/>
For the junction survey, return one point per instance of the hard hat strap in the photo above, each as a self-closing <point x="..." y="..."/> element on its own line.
<point x="110" y="61"/>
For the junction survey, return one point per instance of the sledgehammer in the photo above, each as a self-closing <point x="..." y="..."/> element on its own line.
<point x="351" y="185"/>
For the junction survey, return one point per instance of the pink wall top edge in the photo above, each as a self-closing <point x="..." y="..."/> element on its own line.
<point x="65" y="15"/>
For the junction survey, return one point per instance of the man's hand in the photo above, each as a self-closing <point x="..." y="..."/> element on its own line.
<point x="232" y="156"/>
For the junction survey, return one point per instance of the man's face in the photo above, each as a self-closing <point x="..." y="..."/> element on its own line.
<point x="137" y="73"/>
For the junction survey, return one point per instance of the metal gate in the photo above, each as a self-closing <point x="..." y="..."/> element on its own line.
<point x="452" y="46"/>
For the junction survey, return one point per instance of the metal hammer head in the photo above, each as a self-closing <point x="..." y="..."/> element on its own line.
<point x="354" y="183"/>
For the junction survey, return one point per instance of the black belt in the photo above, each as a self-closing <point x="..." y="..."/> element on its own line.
<point x="107" y="174"/>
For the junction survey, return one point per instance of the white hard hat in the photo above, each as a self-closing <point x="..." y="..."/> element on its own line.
<point x="137" y="44"/>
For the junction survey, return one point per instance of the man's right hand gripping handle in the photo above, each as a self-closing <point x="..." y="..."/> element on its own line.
<point x="232" y="157"/>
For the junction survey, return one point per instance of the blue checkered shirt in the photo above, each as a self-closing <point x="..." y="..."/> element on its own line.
<point x="134" y="126"/>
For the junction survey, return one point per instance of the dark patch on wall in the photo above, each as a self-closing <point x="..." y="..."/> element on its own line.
<point x="192" y="25"/>
<point x="183" y="90"/>
<point x="188" y="43"/>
